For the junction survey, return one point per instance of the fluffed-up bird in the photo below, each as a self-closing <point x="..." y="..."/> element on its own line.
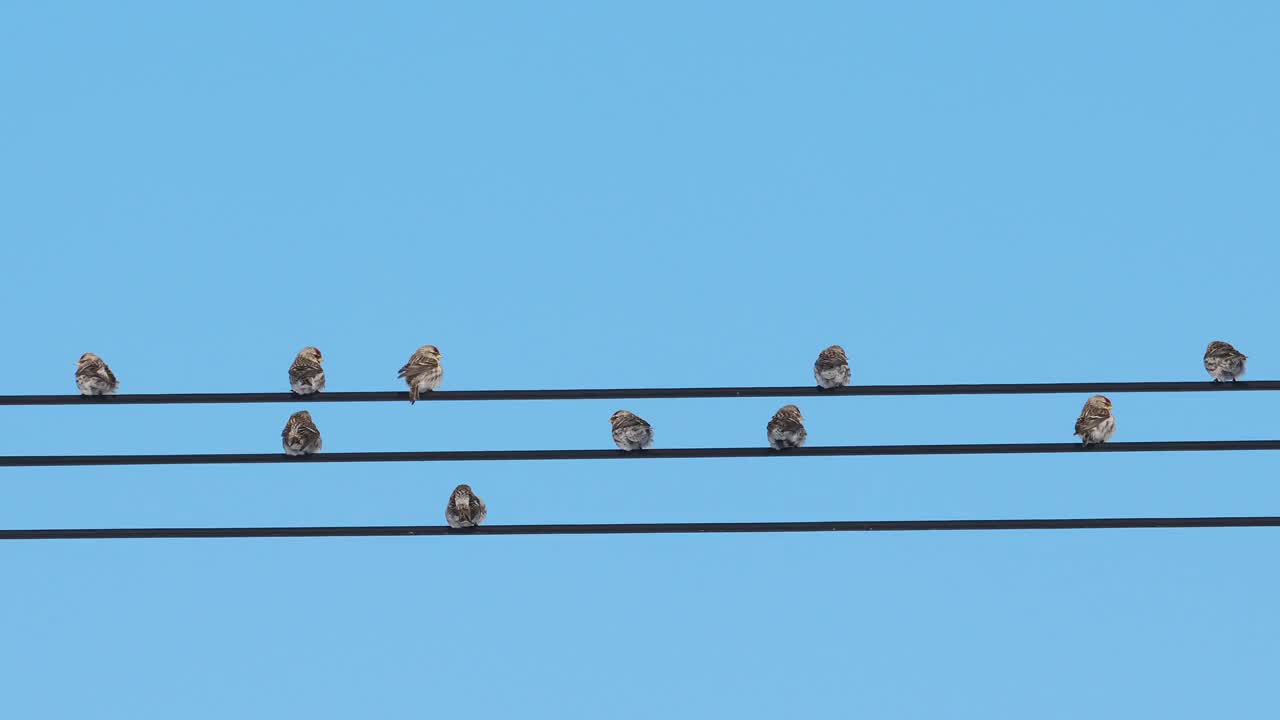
<point x="1096" y="424"/>
<point x="423" y="372"/>
<point x="630" y="431"/>
<point x="300" y="436"/>
<point x="306" y="376"/>
<point x="93" y="377"/>
<point x="1224" y="362"/>
<point x="831" y="369"/>
<point x="786" y="429"/>
<point x="465" y="508"/>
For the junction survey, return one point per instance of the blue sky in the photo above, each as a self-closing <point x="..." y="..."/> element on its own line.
<point x="576" y="194"/>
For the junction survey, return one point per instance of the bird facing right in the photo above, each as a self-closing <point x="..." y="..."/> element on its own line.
<point x="305" y="374"/>
<point x="1223" y="362"/>
<point x="465" y="508"/>
<point x="786" y="429"/>
<point x="300" y="436"/>
<point x="831" y="369"/>
<point x="423" y="372"/>
<point x="630" y="431"/>
<point x="1096" y="424"/>
<point x="93" y="377"/>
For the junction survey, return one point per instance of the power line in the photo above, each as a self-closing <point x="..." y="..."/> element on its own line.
<point x="667" y="453"/>
<point x="645" y="528"/>
<point x="646" y="393"/>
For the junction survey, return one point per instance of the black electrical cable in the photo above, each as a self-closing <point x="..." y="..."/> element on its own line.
<point x="645" y="528"/>
<point x="665" y="453"/>
<point x="646" y="393"/>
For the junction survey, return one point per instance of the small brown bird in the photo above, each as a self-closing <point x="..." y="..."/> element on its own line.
<point x="305" y="374"/>
<point x="93" y="377"/>
<point x="1096" y="424"/>
<point x="786" y="429"/>
<point x="423" y="372"/>
<point x="465" y="508"/>
<point x="831" y="370"/>
<point x="300" y="436"/>
<point x="630" y="431"/>
<point x="1224" y="362"/>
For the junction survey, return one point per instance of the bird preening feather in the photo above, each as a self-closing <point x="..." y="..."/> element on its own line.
<point x="300" y="435"/>
<point x="786" y="429"/>
<point x="93" y="377"/>
<point x="465" y="508"/>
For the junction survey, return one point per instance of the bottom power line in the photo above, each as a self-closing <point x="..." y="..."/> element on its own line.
<point x="645" y="528"/>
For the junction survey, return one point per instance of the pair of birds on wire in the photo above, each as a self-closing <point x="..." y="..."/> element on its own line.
<point x="1097" y="424"/>
<point x="786" y="430"/>
<point x="423" y="372"/>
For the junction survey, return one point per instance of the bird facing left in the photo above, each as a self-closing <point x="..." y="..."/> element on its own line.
<point x="300" y="435"/>
<point x="93" y="377"/>
<point x="630" y="431"/>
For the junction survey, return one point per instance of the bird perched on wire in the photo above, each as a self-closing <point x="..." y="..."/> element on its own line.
<point x="305" y="374"/>
<point x="831" y="369"/>
<point x="1223" y="361"/>
<point x="1096" y="424"/>
<point x="465" y="508"/>
<point x="300" y="436"/>
<point x="93" y="377"/>
<point x="786" y="429"/>
<point x="423" y="372"/>
<point x="630" y="431"/>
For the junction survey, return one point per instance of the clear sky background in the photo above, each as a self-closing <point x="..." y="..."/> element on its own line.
<point x="583" y="194"/>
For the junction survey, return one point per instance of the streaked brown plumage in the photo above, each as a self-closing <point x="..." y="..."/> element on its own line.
<point x="786" y="429"/>
<point x="465" y="508"/>
<point x="306" y="376"/>
<point x="1096" y="424"/>
<point x="423" y="372"/>
<point x="1223" y="362"/>
<point x="630" y="431"/>
<point x="300" y="435"/>
<point x="831" y="369"/>
<point x="93" y="377"/>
